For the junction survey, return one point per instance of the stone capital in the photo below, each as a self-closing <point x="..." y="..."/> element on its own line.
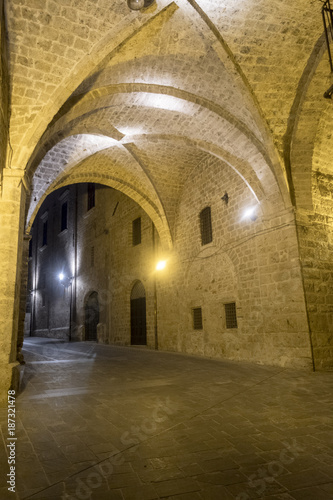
<point x="17" y="176"/>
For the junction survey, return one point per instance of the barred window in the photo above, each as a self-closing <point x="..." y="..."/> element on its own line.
<point x="197" y="318"/>
<point x="206" y="226"/>
<point x="91" y="196"/>
<point x="230" y="315"/>
<point x="136" y="231"/>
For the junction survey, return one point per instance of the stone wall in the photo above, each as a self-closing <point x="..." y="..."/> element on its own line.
<point x="315" y="232"/>
<point x="4" y="90"/>
<point x="117" y="263"/>
<point x="253" y="263"/>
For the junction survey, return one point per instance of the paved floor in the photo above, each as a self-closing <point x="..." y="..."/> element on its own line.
<point x="103" y="422"/>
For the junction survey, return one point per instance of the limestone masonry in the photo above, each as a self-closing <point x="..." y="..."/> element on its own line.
<point x="193" y="133"/>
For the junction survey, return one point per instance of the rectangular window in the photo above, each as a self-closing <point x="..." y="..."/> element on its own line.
<point x="197" y="318"/>
<point x="91" y="196"/>
<point x="206" y="226"/>
<point x="64" y="214"/>
<point x="44" y="239"/>
<point x="230" y="315"/>
<point x="30" y="248"/>
<point x="136" y="231"/>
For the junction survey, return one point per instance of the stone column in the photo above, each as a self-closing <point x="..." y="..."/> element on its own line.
<point x="12" y="210"/>
<point x="23" y="296"/>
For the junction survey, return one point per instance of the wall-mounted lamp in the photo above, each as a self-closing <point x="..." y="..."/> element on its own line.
<point x="250" y="213"/>
<point x="160" y="265"/>
<point x="65" y="280"/>
<point x="139" y="4"/>
<point x="225" y="198"/>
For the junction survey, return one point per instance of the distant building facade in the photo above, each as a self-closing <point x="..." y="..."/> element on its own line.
<point x="90" y="267"/>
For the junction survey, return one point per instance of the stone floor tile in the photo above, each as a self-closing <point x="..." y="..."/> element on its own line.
<point x="191" y="469"/>
<point x="328" y="487"/>
<point x="302" y="479"/>
<point x="61" y="464"/>
<point x="176" y="487"/>
<point x="232" y="476"/>
<point x="219" y="415"/>
<point x="185" y="496"/>
<point x="127" y="479"/>
<point x="156" y="475"/>
<point x="313" y="493"/>
<point x="218" y="464"/>
<point x="146" y="492"/>
<point x="7" y="495"/>
<point x="214" y="492"/>
<point x="249" y="459"/>
<point x="256" y="488"/>
<point x="52" y="493"/>
<point x="279" y="496"/>
<point x="106" y="447"/>
<point x="80" y="455"/>
<point x="107" y="495"/>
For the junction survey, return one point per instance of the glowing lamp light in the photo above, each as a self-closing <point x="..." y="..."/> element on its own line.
<point x="160" y="265"/>
<point x="61" y="276"/>
<point x="250" y="213"/>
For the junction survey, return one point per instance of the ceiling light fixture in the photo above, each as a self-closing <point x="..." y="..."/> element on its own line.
<point x="139" y="4"/>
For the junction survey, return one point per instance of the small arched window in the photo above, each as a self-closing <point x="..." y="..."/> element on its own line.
<point x="206" y="226"/>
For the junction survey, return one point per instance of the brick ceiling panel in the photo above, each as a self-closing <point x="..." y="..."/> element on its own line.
<point x="90" y="152"/>
<point x="172" y="52"/>
<point x="271" y="42"/>
<point x="200" y="78"/>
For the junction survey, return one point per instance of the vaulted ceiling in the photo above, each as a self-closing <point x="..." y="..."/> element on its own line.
<point x="137" y="100"/>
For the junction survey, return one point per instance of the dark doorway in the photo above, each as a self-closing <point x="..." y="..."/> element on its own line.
<point x="138" y="315"/>
<point x="91" y="316"/>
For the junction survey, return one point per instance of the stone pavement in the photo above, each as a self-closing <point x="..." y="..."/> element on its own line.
<point x="105" y="422"/>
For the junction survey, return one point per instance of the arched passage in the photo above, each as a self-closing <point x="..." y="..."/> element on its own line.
<point x="138" y="315"/>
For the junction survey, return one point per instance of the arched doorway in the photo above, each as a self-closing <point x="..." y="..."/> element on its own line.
<point x="91" y="316"/>
<point x="138" y="315"/>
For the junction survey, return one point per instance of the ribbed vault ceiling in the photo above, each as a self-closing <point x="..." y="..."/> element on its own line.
<point x="142" y="99"/>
